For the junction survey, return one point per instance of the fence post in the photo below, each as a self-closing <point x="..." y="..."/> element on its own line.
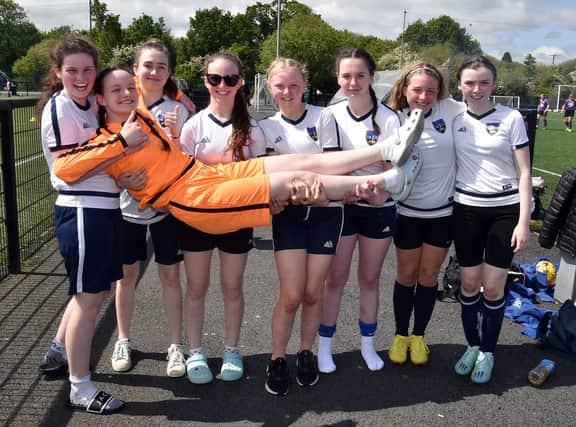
<point x="9" y="177"/>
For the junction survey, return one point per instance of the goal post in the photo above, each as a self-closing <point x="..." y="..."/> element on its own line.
<point x="562" y="93"/>
<point x="512" y="101"/>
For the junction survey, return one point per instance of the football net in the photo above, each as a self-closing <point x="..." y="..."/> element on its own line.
<point x="511" y="101"/>
<point x="562" y="93"/>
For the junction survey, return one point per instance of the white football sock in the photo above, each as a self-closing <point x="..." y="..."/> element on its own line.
<point x="373" y="361"/>
<point x="326" y="363"/>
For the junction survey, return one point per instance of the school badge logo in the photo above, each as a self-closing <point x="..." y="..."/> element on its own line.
<point x="313" y="133"/>
<point x="439" y="125"/>
<point x="492" y="128"/>
<point x="371" y="137"/>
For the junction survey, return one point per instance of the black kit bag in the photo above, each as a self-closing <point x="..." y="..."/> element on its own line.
<point x="450" y="281"/>
<point x="558" y="330"/>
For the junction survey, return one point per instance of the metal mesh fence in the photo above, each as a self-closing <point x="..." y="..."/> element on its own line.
<point x="30" y="190"/>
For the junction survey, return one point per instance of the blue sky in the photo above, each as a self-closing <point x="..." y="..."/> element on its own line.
<point x="546" y="29"/>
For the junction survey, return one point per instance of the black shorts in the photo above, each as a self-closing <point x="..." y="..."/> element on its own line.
<point x="483" y="234"/>
<point x="412" y="233"/>
<point x="164" y="240"/>
<point x="315" y="229"/>
<point x="193" y="240"/>
<point x="374" y="223"/>
<point x="569" y="113"/>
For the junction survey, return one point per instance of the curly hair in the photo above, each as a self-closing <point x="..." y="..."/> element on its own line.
<point x="68" y="45"/>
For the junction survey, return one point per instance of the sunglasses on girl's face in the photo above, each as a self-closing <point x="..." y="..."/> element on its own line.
<point x="216" y="79"/>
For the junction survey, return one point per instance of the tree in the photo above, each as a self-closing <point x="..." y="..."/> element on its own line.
<point x="36" y="63"/>
<point x="210" y="31"/>
<point x="17" y="34"/>
<point x="506" y="57"/>
<point x="530" y="64"/>
<point x="143" y="28"/>
<point x="441" y="30"/>
<point x="310" y="40"/>
<point x="107" y="32"/>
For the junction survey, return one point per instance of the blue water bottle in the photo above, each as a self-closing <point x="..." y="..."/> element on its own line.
<point x="542" y="372"/>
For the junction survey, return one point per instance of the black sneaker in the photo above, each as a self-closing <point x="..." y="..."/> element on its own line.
<point x="53" y="366"/>
<point x="307" y="374"/>
<point x="277" y="377"/>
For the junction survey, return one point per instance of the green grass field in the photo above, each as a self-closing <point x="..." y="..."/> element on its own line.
<point x="554" y="152"/>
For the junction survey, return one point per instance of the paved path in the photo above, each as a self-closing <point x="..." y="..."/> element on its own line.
<point x="30" y="307"/>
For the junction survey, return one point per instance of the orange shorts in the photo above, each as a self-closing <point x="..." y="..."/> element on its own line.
<point x="222" y="198"/>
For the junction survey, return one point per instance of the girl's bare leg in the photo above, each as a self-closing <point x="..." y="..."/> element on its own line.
<point x="395" y="148"/>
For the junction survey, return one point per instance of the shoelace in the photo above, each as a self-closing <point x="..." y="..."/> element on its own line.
<point x="121" y="351"/>
<point x="175" y="356"/>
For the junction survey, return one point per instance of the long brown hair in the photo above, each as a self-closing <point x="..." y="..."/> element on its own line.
<point x="241" y="126"/>
<point x="356" y="52"/>
<point x="398" y="99"/>
<point x="68" y="45"/>
<point x="170" y="87"/>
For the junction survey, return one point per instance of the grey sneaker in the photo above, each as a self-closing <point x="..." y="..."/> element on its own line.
<point x="406" y="137"/>
<point x="121" y="361"/>
<point x="176" y="362"/>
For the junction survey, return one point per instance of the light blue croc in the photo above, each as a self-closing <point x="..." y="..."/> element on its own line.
<point x="466" y="363"/>
<point x="483" y="368"/>
<point x="232" y="367"/>
<point x="197" y="369"/>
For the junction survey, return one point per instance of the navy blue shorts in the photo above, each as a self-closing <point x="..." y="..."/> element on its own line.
<point x="374" y="223"/>
<point x="164" y="235"/>
<point x="90" y="241"/>
<point x="412" y="233"/>
<point x="316" y="229"/>
<point x="483" y="234"/>
<point x="193" y="240"/>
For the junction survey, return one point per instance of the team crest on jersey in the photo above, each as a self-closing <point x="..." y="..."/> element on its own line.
<point x="439" y="125"/>
<point x="372" y="137"/>
<point x="492" y="128"/>
<point x="204" y="140"/>
<point x="313" y="133"/>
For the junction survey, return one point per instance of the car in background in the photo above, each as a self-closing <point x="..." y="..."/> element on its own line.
<point x="3" y="80"/>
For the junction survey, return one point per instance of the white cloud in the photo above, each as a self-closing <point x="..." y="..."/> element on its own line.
<point x="516" y="26"/>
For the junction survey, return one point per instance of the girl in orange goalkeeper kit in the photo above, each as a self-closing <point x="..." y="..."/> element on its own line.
<point x="224" y="197"/>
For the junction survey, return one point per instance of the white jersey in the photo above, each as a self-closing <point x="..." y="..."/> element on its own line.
<point x="316" y="131"/>
<point x="486" y="174"/>
<point x="67" y="125"/>
<point x="130" y="206"/>
<point x="207" y="139"/>
<point x="433" y="190"/>
<point x="358" y="132"/>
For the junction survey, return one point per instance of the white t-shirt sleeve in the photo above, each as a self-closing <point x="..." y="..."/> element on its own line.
<point x="188" y="137"/>
<point x="517" y="128"/>
<point x="328" y="134"/>
<point x="257" y="141"/>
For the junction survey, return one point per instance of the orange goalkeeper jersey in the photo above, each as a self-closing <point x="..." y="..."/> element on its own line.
<point x="163" y="160"/>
